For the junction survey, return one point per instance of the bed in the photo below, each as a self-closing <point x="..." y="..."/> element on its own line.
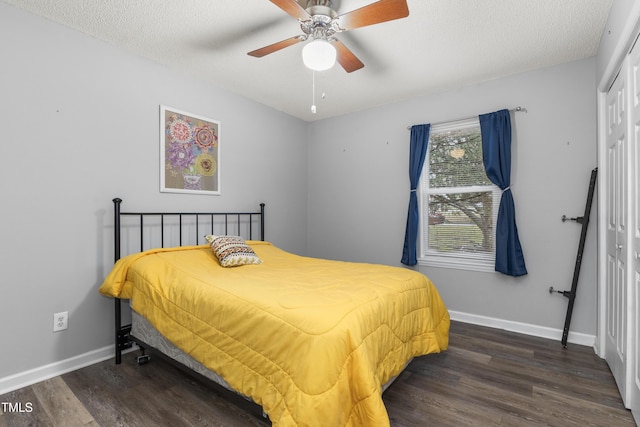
<point x="312" y="341"/>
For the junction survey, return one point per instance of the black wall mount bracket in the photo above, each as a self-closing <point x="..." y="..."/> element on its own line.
<point x="584" y="220"/>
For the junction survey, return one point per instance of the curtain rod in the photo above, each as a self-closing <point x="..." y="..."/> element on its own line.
<point x="514" y="110"/>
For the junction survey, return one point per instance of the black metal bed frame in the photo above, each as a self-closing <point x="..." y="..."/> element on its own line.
<point x="123" y="337"/>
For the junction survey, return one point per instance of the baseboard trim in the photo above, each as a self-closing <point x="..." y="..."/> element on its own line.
<point x="524" y="328"/>
<point x="32" y="376"/>
<point x="27" y="378"/>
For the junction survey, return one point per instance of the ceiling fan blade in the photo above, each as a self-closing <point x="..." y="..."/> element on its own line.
<point x="374" y="13"/>
<point x="292" y="8"/>
<point x="259" y="53"/>
<point x="346" y="58"/>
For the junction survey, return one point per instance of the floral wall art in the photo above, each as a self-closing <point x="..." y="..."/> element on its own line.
<point x="189" y="153"/>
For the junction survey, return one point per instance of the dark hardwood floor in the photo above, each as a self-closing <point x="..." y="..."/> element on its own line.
<point x="487" y="377"/>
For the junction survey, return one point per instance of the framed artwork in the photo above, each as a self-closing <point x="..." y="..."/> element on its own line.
<point x="189" y="153"/>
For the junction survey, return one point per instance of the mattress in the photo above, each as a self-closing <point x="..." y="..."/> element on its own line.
<point x="144" y="331"/>
<point x="311" y="341"/>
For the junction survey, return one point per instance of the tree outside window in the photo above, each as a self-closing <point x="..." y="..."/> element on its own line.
<point x="460" y="201"/>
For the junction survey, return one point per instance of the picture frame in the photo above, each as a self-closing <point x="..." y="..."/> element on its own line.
<point x="189" y="153"/>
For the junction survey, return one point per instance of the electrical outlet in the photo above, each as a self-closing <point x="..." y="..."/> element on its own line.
<point x="60" y="321"/>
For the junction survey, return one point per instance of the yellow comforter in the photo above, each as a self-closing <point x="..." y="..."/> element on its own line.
<point x="310" y="340"/>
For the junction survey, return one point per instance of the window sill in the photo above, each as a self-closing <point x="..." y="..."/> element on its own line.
<point x="457" y="263"/>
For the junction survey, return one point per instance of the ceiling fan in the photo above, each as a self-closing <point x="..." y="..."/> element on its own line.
<point x="320" y="23"/>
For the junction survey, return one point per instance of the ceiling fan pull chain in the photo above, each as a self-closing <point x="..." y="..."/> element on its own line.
<point x="313" y="92"/>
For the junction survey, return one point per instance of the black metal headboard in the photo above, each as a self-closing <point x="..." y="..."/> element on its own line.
<point x="197" y="223"/>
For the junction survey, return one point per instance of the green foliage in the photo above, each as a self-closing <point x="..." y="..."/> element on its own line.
<point x="445" y="170"/>
<point x="456" y="238"/>
<point x="455" y="163"/>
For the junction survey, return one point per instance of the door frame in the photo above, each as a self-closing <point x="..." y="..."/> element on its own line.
<point x="627" y="38"/>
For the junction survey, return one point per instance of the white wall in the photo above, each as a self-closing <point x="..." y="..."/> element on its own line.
<point x="359" y="191"/>
<point x="80" y="125"/>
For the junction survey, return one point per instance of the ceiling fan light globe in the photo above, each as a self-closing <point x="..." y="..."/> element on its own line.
<point x="319" y="55"/>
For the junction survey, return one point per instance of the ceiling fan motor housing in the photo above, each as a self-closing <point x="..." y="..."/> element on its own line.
<point x="322" y="24"/>
<point x="326" y="3"/>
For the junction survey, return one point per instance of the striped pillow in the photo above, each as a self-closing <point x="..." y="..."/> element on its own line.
<point x="232" y="251"/>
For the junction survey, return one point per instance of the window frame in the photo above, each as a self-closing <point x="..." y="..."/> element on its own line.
<point x="458" y="260"/>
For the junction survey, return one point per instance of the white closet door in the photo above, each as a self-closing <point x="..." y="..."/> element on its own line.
<point x="616" y="290"/>
<point x="634" y="224"/>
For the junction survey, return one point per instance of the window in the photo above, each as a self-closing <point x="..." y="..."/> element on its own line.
<point x="458" y="202"/>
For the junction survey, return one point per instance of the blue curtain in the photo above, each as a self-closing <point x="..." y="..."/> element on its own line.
<point x="496" y="152"/>
<point x="417" y="154"/>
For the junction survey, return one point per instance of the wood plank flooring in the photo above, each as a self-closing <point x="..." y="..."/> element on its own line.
<point x="487" y="377"/>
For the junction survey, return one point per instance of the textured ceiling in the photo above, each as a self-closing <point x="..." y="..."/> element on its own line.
<point x="442" y="45"/>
